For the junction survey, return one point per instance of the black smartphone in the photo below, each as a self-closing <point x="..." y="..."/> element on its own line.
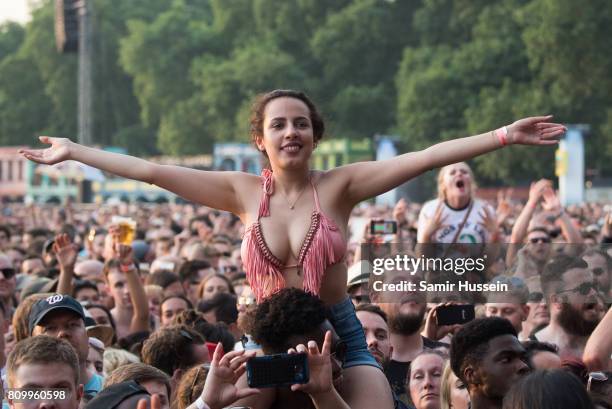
<point x="271" y="371"/>
<point x="455" y="314"/>
<point x="383" y="227"/>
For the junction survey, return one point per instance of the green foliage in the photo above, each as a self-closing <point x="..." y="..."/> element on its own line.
<point x="175" y="76"/>
<point x="136" y="139"/>
<point x="11" y="36"/>
<point x="23" y="104"/>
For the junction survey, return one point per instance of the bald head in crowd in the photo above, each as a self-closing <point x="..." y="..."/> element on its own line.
<point x="89" y="269"/>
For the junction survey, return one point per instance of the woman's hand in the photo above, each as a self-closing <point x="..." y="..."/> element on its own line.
<point x="432" y="225"/>
<point x="220" y="388"/>
<point x="535" y="131"/>
<point x="319" y="364"/>
<point x="59" y="151"/>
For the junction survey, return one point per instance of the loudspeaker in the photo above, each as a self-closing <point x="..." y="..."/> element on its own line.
<point x="67" y="26"/>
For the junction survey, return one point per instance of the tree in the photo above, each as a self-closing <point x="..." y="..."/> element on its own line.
<point x="158" y="55"/>
<point x="24" y="107"/>
<point x="11" y="37"/>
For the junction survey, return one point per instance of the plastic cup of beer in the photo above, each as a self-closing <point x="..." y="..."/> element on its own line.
<point x="127" y="229"/>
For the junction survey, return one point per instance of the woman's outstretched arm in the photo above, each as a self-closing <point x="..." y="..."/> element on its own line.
<point x="212" y="189"/>
<point x="598" y="348"/>
<point x="382" y="176"/>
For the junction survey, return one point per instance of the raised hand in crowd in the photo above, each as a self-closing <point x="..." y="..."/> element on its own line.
<point x="433" y="224"/>
<point x="551" y="203"/>
<point x="320" y="385"/>
<point x="504" y="207"/>
<point x="521" y="226"/>
<point x="220" y="389"/>
<point x="536" y="191"/>
<point x="180" y="240"/>
<point x="66" y="253"/>
<point x="123" y="253"/>
<point x="489" y="223"/>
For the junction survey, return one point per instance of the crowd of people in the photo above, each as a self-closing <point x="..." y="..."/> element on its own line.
<point x="167" y="309"/>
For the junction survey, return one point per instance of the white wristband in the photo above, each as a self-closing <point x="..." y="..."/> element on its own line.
<point x="200" y="404"/>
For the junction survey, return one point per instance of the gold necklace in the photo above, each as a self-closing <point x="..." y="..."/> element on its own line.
<point x="292" y="205"/>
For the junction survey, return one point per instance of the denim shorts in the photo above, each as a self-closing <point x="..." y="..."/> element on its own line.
<point x="344" y="320"/>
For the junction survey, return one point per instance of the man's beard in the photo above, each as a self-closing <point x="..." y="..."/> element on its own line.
<point x="381" y="360"/>
<point x="571" y="320"/>
<point x="407" y="323"/>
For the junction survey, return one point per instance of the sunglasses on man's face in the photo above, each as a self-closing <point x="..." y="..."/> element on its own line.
<point x="583" y="288"/>
<point x="536" y="240"/>
<point x="8" y="272"/>
<point x="361" y="299"/>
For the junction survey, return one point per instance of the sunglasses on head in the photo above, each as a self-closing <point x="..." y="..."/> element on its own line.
<point x="583" y="288"/>
<point x="536" y="240"/>
<point x="535" y="297"/>
<point x="8" y="272"/>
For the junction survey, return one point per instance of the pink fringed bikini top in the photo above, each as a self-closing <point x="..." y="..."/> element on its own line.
<point x="323" y="246"/>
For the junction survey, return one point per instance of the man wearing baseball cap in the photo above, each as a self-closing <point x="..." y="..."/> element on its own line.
<point x="61" y="316"/>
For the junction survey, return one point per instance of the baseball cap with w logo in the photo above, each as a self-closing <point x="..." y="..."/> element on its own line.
<point x="54" y="302"/>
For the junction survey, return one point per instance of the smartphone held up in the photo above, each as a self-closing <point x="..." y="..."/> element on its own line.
<point x="271" y="371"/>
<point x="382" y="227"/>
<point x="455" y="314"/>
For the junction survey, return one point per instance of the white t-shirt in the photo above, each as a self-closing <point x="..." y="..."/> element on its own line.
<point x="473" y="232"/>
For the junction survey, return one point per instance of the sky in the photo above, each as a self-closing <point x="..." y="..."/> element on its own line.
<point x="15" y="10"/>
